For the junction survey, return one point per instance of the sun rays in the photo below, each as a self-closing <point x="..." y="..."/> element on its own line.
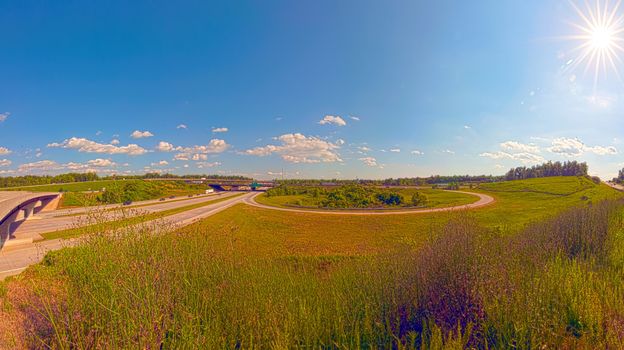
<point x="599" y="33"/>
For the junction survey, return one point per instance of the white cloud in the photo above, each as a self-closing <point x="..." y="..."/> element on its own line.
<point x="5" y="162"/>
<point x="298" y="148"/>
<point x="164" y="147"/>
<point x="4" y="116"/>
<point x="417" y="152"/>
<point x="88" y="146"/>
<point x="448" y="151"/>
<point x="335" y="120"/>
<point x="141" y="134"/>
<point x="202" y="165"/>
<point x="467" y="127"/>
<point x="161" y="163"/>
<point x="214" y="146"/>
<point x="4" y="151"/>
<point x="101" y="162"/>
<point x="181" y="156"/>
<point x="574" y="147"/>
<point x="395" y="150"/>
<point x="46" y="166"/>
<point x="199" y="157"/>
<point x="114" y="142"/>
<point x="527" y="158"/>
<point x="98" y="133"/>
<point x="515" y="146"/>
<point x="217" y="130"/>
<point x="369" y="161"/>
<point x="364" y="149"/>
<point x="357" y="119"/>
<point x="186" y="165"/>
<point x="181" y="126"/>
<point x="42" y="165"/>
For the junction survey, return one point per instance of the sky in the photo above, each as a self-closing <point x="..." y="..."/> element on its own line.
<point x="303" y="89"/>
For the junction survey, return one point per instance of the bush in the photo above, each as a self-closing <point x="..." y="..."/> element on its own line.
<point x="419" y="199"/>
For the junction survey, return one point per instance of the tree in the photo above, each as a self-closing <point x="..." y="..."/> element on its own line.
<point x="620" y="177"/>
<point x="419" y="199"/>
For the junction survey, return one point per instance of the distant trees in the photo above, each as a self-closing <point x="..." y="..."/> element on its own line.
<point x="29" y="180"/>
<point x="569" y="168"/>
<point x="405" y="181"/>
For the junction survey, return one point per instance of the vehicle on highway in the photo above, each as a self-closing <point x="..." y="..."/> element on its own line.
<point x="127" y="202"/>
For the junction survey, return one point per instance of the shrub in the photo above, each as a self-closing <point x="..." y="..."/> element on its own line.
<point x="418" y="199"/>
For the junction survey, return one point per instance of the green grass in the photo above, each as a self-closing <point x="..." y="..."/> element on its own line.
<point x="132" y="219"/>
<point x="511" y="275"/>
<point x="436" y="199"/>
<point x="563" y="185"/>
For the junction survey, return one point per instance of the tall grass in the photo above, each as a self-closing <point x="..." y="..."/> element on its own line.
<point x="557" y="284"/>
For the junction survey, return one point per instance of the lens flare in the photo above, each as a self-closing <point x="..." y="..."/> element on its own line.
<point x="599" y="35"/>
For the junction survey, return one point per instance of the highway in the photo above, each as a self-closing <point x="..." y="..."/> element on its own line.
<point x="65" y="218"/>
<point x="13" y="261"/>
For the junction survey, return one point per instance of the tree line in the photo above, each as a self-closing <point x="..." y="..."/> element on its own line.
<point x="568" y="168"/>
<point x="31" y="180"/>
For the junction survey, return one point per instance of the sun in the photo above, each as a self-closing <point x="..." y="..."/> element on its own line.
<point x="599" y="34"/>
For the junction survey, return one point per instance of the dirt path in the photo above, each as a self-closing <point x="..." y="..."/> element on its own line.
<point x="484" y="200"/>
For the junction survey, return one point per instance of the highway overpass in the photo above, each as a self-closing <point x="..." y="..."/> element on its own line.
<point x="16" y="206"/>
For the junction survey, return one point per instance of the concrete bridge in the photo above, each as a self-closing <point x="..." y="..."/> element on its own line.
<point x="19" y="206"/>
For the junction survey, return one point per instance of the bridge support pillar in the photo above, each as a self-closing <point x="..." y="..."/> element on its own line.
<point x="29" y="210"/>
<point x="5" y="227"/>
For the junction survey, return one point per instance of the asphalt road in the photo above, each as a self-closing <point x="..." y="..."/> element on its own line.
<point x="15" y="260"/>
<point x="484" y="200"/>
<point x="54" y="221"/>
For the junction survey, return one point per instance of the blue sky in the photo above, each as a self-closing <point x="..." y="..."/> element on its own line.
<point x="347" y="89"/>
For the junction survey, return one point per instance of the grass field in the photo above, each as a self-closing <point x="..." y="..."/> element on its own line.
<point x="80" y="194"/>
<point x="436" y="199"/>
<point x="538" y="269"/>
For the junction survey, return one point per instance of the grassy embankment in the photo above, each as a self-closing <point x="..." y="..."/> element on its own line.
<point x="80" y="194"/>
<point x="435" y="199"/>
<point x="253" y="278"/>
